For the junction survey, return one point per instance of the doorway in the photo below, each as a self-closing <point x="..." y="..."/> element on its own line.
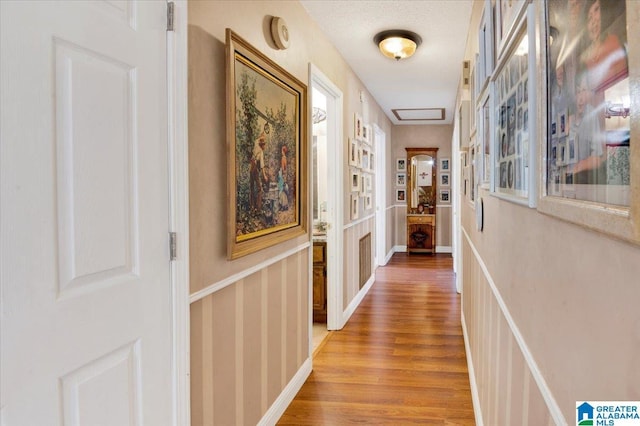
<point x="327" y="211"/>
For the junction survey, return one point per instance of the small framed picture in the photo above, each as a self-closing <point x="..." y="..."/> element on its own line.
<point x="353" y="152"/>
<point x="367" y="202"/>
<point x="355" y="206"/>
<point x="365" y="158"/>
<point x="401" y="164"/>
<point x="357" y="127"/>
<point x="372" y="164"/>
<point x="363" y="184"/>
<point x="367" y="135"/>
<point x="444" y="179"/>
<point x="400" y="195"/>
<point x="444" y="195"/>
<point x="355" y="181"/>
<point x="401" y="179"/>
<point x="444" y="164"/>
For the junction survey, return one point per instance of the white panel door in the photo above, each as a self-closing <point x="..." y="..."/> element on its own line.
<point x="86" y="293"/>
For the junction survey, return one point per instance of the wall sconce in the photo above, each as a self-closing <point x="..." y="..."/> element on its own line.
<point x="397" y="44"/>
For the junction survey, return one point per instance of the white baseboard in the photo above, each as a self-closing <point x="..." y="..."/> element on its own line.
<point x="279" y="406"/>
<point x="389" y="255"/>
<point x="356" y="300"/>
<point x="439" y="249"/>
<point x="475" y="396"/>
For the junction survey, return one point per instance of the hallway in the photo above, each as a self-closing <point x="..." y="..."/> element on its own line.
<point x="400" y="358"/>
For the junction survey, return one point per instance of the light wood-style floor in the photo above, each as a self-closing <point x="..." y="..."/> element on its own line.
<point x="399" y="360"/>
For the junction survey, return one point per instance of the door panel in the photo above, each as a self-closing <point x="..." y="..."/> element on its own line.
<point x="86" y="313"/>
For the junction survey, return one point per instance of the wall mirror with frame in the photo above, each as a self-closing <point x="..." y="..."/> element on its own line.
<point x="422" y="180"/>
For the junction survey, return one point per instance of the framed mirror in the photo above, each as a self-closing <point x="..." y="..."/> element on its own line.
<point x="421" y="179"/>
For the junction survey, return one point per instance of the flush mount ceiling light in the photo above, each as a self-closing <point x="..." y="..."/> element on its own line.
<point x="397" y="44"/>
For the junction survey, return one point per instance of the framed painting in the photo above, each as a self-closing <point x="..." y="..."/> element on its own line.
<point x="589" y="164"/>
<point x="401" y="195"/>
<point x="401" y="179"/>
<point x="267" y="151"/>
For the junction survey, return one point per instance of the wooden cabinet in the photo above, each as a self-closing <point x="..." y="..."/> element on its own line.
<point x="319" y="281"/>
<point x="421" y="233"/>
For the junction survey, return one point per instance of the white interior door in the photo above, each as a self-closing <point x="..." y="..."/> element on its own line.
<point x="86" y="314"/>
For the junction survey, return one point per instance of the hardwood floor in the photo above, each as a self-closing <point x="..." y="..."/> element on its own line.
<point x="399" y="360"/>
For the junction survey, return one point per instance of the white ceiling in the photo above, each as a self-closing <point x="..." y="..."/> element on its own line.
<point x="430" y="78"/>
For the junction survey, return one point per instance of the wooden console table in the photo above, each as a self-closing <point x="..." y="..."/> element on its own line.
<point x="421" y="233"/>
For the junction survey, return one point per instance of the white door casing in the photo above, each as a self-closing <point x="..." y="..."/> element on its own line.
<point x="86" y="291"/>
<point x="335" y="175"/>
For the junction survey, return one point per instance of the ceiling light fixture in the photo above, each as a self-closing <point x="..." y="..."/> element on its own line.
<point x="397" y="44"/>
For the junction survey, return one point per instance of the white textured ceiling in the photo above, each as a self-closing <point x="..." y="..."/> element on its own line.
<point x="430" y="78"/>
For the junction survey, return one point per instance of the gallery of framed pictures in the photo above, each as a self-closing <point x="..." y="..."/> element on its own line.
<point x="362" y="167"/>
<point x="266" y="141"/>
<point x="555" y="113"/>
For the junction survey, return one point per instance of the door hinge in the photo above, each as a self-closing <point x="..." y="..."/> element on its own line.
<point x="170" y="15"/>
<point x="172" y="246"/>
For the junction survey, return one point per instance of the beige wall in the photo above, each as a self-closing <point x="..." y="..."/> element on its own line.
<point x="249" y="336"/>
<point x="549" y="307"/>
<point x="431" y="136"/>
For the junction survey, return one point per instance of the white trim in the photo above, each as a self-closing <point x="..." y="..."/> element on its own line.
<point x="400" y="249"/>
<point x="390" y="207"/>
<point x="475" y="396"/>
<point x="359" y="221"/>
<point x="357" y="300"/>
<point x="217" y="286"/>
<point x="398" y="206"/>
<point x="281" y="403"/>
<point x="444" y="206"/>
<point x="335" y="204"/>
<point x="380" y="143"/>
<point x="389" y="255"/>
<point x="444" y="249"/>
<point x="552" y="405"/>
<point x="178" y="152"/>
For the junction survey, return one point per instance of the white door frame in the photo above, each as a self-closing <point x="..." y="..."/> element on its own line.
<point x="178" y="146"/>
<point x="335" y="156"/>
<point x="456" y="179"/>
<point x="381" y="190"/>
